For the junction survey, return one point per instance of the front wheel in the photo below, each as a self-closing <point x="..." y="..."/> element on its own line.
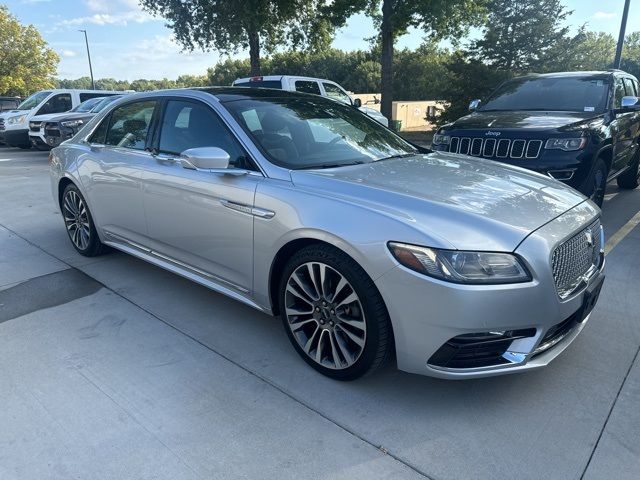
<point x="80" y="227"/>
<point x="596" y="184"/>
<point x="334" y="314"/>
<point x="631" y="178"/>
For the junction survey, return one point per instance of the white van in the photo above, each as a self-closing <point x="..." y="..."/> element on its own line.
<point x="14" y="124"/>
<point x="317" y="86"/>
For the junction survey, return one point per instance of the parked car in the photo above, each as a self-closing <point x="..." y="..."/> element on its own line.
<point x="57" y="128"/>
<point x="15" y="124"/>
<point x="582" y="128"/>
<point x="9" y="103"/>
<point x="316" y="86"/>
<point x="304" y="207"/>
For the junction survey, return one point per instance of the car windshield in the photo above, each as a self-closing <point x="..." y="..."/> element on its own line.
<point x="33" y="101"/>
<point x="104" y="101"/>
<point x="299" y="133"/>
<point x="571" y="94"/>
<point x="87" y="105"/>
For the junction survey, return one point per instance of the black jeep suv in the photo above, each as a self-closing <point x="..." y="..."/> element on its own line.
<point x="582" y="128"/>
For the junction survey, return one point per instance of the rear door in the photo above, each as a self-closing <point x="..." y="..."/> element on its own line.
<point x="201" y="219"/>
<point x="634" y="128"/>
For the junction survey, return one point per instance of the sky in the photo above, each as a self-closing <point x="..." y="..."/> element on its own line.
<point x="127" y="43"/>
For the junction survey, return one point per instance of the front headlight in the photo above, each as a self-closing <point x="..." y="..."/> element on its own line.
<point x="440" y="139"/>
<point x="480" y="268"/>
<point x="566" y="144"/>
<point x="72" y="123"/>
<point x="17" y="119"/>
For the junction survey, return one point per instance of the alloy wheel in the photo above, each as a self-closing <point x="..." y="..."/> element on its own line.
<point x="76" y="219"/>
<point x="325" y="315"/>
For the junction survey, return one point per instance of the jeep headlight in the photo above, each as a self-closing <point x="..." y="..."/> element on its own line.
<point x="441" y="139"/>
<point x="72" y="123"/>
<point x="480" y="268"/>
<point x="566" y="144"/>
<point x="15" y="120"/>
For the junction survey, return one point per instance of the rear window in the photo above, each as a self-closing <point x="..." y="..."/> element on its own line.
<point x="571" y="94"/>
<point x="260" y="84"/>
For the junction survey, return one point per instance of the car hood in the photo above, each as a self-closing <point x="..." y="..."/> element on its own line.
<point x="46" y="117"/>
<point x="465" y="202"/>
<point x="518" y="120"/>
<point x="64" y="117"/>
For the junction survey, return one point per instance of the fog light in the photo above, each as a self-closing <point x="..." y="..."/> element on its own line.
<point x="562" y="175"/>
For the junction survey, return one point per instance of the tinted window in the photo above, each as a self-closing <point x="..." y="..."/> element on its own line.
<point x="57" y="104"/>
<point x="307" y="86"/>
<point x="87" y="105"/>
<point x="129" y="125"/>
<point x="99" y="135"/>
<point x="313" y="133"/>
<point x="191" y="125"/>
<point x="87" y="96"/>
<point x="104" y="102"/>
<point x="260" y="84"/>
<point x="8" y="105"/>
<point x="630" y="88"/>
<point x="335" y="92"/>
<point x="582" y="94"/>
<point x="618" y="93"/>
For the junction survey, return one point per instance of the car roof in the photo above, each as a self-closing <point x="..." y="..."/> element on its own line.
<point x="226" y="94"/>
<point x="580" y="74"/>
<point x="269" y="78"/>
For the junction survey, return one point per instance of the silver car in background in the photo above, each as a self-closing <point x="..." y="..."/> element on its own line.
<point x="365" y="245"/>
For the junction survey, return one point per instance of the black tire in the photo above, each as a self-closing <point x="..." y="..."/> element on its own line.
<point x="378" y="340"/>
<point x="631" y="178"/>
<point x="596" y="184"/>
<point x="90" y="244"/>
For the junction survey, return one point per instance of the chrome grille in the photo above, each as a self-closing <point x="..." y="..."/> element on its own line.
<point x="34" y="126"/>
<point x="575" y="258"/>
<point x="1" y="123"/>
<point x="496" y="148"/>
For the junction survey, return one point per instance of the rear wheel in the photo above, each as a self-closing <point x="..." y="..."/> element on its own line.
<point x="334" y="314"/>
<point x="80" y="227"/>
<point x="631" y="178"/>
<point x="596" y="184"/>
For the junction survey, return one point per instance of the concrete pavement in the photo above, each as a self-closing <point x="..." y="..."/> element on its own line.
<point x="113" y="368"/>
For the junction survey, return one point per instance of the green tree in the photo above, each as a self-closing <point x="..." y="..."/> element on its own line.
<point x="584" y="51"/>
<point x="438" y="18"/>
<point x="519" y="34"/>
<point x="228" y="25"/>
<point x="27" y="64"/>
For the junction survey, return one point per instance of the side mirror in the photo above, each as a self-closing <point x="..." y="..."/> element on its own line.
<point x="357" y="102"/>
<point x="205" y="158"/>
<point x="630" y="102"/>
<point x="474" y="105"/>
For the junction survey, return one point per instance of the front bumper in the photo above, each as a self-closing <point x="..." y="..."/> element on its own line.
<point x="427" y="313"/>
<point x="17" y="138"/>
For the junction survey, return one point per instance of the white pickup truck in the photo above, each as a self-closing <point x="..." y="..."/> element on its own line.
<point x="317" y="86"/>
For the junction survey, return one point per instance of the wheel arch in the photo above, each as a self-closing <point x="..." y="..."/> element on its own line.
<point x="63" y="183"/>
<point x="606" y="153"/>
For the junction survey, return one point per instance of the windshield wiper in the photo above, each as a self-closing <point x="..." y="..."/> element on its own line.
<point x="400" y="155"/>
<point x="329" y="165"/>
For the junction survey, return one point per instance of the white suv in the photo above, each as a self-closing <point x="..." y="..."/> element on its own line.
<point x="317" y="86"/>
<point x="15" y="124"/>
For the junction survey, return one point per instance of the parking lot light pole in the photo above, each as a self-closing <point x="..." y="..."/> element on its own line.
<point x="623" y="27"/>
<point x="86" y="40"/>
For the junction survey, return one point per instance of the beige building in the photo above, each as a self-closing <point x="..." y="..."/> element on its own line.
<point x="412" y="114"/>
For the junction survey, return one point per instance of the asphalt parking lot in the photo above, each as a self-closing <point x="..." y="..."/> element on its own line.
<point x="112" y="368"/>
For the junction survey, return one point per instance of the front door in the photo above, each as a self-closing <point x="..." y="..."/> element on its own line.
<point x="200" y="219"/>
<point x="113" y="169"/>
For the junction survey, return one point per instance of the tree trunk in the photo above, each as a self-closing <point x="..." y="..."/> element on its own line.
<point x="386" y="58"/>
<point x="254" y="53"/>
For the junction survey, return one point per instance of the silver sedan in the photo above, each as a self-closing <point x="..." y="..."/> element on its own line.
<point x="369" y="248"/>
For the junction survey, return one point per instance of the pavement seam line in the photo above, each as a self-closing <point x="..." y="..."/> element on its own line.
<point x="620" y="235"/>
<point x="613" y="404"/>
<point x="300" y="402"/>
